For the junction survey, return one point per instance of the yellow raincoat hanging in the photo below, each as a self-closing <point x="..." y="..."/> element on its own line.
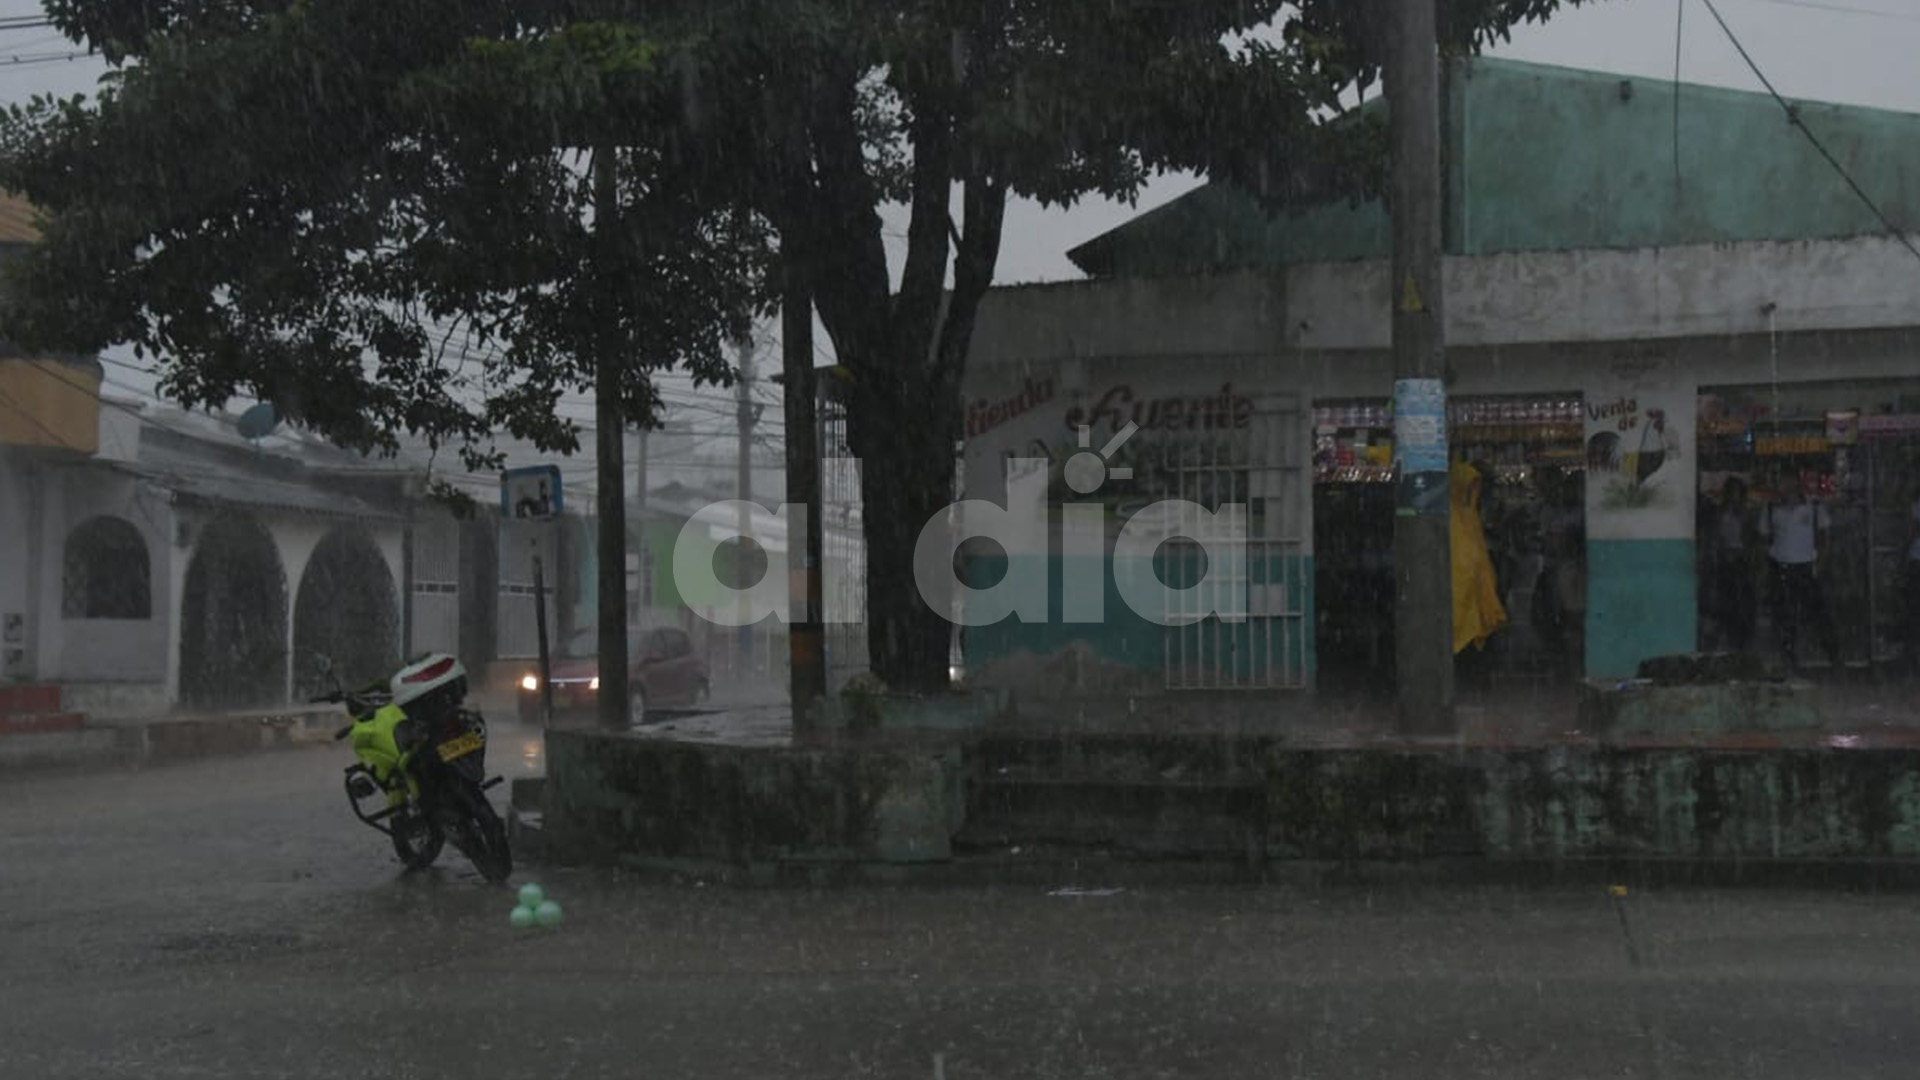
<point x="1477" y="611"/>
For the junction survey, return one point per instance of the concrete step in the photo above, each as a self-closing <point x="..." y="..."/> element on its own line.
<point x="12" y="724"/>
<point x="1163" y="818"/>
<point x="68" y="739"/>
<point x="71" y="747"/>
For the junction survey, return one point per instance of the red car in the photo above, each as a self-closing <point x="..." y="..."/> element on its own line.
<point x="664" y="673"/>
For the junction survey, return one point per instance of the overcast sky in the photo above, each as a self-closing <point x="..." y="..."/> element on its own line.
<point x="1850" y="51"/>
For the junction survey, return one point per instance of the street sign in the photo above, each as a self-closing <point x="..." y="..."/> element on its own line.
<point x="531" y="494"/>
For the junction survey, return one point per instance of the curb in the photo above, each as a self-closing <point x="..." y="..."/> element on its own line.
<point x="1101" y="869"/>
<point x="107" y="746"/>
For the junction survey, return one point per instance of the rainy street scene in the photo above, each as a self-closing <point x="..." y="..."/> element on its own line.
<point x="1030" y="538"/>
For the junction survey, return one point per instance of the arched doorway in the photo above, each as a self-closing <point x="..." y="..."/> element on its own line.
<point x="233" y="618"/>
<point x="345" y="609"/>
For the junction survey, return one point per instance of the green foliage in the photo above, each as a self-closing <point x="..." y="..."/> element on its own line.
<point x="863" y="699"/>
<point x="863" y="102"/>
<point x="379" y="216"/>
<point x="298" y="198"/>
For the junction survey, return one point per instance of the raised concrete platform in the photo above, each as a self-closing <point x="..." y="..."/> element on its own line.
<point x="1641" y="707"/>
<point x="1257" y="802"/>
<point x="621" y="797"/>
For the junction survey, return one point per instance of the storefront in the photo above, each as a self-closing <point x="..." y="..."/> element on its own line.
<point x="1079" y="455"/>
<point x="1854" y="448"/>
<point x="1531" y="450"/>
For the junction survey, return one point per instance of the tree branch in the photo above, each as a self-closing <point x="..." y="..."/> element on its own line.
<point x="984" y="199"/>
<point x="923" y="277"/>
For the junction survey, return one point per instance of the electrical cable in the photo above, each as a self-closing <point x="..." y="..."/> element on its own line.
<point x="1793" y="117"/>
<point x="1679" y="26"/>
<point x="1841" y="9"/>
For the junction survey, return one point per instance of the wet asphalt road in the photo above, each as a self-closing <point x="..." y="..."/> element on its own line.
<point x="228" y="919"/>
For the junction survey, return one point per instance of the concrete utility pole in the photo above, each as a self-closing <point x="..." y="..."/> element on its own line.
<point x="743" y="485"/>
<point x="1423" y="568"/>
<point x="611" y="456"/>
<point x="806" y="632"/>
<point x="640" y="470"/>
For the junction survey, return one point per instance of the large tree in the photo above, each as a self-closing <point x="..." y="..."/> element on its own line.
<point x="434" y="217"/>
<point x="933" y="103"/>
<point x="818" y="112"/>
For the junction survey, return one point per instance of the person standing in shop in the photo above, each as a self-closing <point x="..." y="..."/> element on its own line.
<point x="1735" y="600"/>
<point x="1795" y="528"/>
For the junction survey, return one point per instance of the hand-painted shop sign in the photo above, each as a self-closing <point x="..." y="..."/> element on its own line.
<point x="985" y="414"/>
<point x="1224" y="411"/>
<point x="1623" y="412"/>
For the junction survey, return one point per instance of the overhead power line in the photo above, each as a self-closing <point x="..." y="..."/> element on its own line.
<point x="27" y="59"/>
<point x="1842" y="9"/>
<point x="1793" y="117"/>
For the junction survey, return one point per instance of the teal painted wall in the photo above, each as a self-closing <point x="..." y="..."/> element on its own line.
<point x="1545" y="158"/>
<point x="1553" y="159"/>
<point x="1641" y="602"/>
<point x="1123" y="637"/>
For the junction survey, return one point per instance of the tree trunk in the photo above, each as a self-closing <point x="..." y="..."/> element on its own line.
<point x="906" y="481"/>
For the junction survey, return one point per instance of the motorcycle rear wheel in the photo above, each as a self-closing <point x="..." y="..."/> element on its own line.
<point x="417" y="839"/>
<point x="486" y="844"/>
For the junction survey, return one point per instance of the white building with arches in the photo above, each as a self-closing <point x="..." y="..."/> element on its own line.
<point x="177" y="567"/>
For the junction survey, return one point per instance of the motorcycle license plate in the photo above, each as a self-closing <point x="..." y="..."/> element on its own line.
<point x="461" y="747"/>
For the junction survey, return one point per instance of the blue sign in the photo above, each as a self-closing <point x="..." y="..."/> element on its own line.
<point x="531" y="494"/>
<point x="1420" y="445"/>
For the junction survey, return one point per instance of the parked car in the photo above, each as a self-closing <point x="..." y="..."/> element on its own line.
<point x="662" y="673"/>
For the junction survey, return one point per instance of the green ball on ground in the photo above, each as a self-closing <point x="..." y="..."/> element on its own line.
<point x="531" y="895"/>
<point x="547" y="914"/>
<point x="521" y="918"/>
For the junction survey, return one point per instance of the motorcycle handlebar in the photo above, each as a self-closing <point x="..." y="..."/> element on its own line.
<point x="343" y="733"/>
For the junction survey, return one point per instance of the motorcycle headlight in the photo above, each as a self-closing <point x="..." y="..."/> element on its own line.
<point x="530" y="682"/>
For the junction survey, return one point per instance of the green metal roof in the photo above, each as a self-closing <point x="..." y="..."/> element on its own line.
<point x="1545" y="158"/>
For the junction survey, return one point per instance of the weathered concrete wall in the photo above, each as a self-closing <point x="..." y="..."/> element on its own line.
<point x="613" y="798"/>
<point x="1312" y="320"/>
<point x="1624" y="295"/>
<point x="1641" y="708"/>
<point x="1237" y="314"/>
<point x="106" y="650"/>
<point x="1580" y="802"/>
<point x="17" y="552"/>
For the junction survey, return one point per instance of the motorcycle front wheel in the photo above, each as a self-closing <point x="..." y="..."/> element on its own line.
<point x="417" y="839"/>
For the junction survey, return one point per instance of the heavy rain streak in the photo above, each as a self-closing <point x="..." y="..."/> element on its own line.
<point x="1034" y="538"/>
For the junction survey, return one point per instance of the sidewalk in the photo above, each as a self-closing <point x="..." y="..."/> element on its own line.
<point x="103" y="742"/>
<point x="1858" y="714"/>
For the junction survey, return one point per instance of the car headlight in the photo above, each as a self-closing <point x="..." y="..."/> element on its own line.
<point x="595" y="684"/>
<point x="530" y="682"/>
